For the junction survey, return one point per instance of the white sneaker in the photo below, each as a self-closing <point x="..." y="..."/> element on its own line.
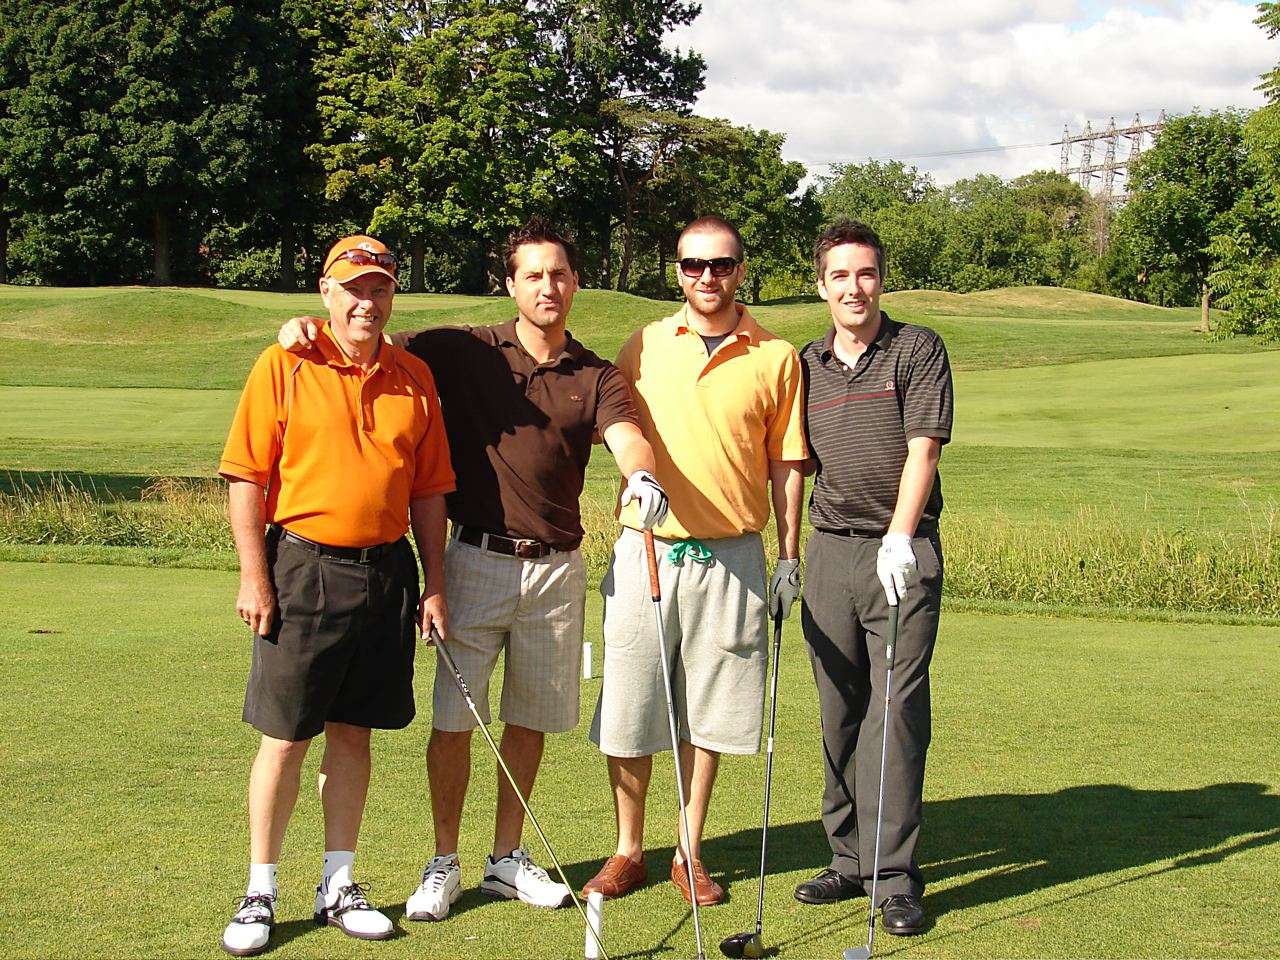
<point x="440" y="888"/>
<point x="250" y="928"/>
<point x="347" y="909"/>
<point x="515" y="876"/>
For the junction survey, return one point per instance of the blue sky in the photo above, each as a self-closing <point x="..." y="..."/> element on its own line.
<point x="851" y="79"/>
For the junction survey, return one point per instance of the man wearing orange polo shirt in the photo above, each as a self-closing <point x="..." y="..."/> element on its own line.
<point x="719" y="399"/>
<point x="336" y="454"/>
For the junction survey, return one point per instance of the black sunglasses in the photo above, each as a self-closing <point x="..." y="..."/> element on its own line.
<point x="693" y="267"/>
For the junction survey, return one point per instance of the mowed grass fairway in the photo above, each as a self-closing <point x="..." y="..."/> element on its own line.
<point x="1095" y="789"/>
<point x="1065" y="400"/>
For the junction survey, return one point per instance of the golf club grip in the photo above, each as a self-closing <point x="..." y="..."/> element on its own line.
<point x="892" y="643"/>
<point x="655" y="591"/>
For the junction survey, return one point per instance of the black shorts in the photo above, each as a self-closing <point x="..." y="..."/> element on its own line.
<point x="341" y="648"/>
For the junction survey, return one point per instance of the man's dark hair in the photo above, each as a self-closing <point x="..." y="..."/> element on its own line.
<point x="710" y="223"/>
<point x="538" y="230"/>
<point x="846" y="231"/>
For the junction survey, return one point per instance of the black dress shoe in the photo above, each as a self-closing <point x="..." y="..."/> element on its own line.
<point x="829" y="886"/>
<point x="903" y="915"/>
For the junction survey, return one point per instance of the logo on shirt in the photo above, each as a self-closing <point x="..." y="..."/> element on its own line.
<point x="888" y="384"/>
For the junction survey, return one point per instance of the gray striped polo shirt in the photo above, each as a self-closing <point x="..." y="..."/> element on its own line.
<point x="859" y="421"/>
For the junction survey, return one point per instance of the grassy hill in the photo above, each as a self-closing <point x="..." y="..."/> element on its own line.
<point x="192" y="338"/>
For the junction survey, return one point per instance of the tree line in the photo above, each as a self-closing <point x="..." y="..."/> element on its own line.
<point x="207" y="141"/>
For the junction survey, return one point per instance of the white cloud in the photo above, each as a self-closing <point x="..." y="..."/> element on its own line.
<point x="875" y="78"/>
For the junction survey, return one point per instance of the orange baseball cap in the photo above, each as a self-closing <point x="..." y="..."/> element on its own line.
<point x="355" y="256"/>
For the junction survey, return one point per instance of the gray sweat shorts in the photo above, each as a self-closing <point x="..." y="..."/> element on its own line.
<point x="715" y="617"/>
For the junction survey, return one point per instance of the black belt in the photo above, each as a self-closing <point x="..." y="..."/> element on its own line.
<point x="349" y="554"/>
<point x="524" y="549"/>
<point x="847" y="532"/>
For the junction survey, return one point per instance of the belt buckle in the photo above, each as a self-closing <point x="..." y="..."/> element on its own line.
<point x="527" y="549"/>
<point x="364" y="554"/>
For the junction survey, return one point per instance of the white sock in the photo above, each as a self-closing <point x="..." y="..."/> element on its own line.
<point x="337" y="869"/>
<point x="262" y="879"/>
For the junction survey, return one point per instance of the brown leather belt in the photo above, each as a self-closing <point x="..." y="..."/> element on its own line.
<point x="507" y="546"/>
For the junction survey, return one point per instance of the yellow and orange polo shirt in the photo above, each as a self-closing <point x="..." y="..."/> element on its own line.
<point x="714" y="421"/>
<point x="340" y="451"/>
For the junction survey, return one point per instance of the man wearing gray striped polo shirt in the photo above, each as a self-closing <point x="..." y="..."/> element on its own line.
<point x="877" y="414"/>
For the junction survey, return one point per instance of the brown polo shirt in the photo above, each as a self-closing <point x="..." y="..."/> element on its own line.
<point x="520" y="432"/>
<point x="859" y="420"/>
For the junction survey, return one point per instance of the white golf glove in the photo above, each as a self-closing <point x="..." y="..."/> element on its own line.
<point x="895" y="566"/>
<point x="784" y="587"/>
<point x="650" y="498"/>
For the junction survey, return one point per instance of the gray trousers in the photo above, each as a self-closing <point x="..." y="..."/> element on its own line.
<point x="845" y="617"/>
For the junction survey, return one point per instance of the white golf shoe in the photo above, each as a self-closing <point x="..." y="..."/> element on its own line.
<point x="347" y="909"/>
<point x="440" y="888"/>
<point x="250" y="928"/>
<point x="515" y="876"/>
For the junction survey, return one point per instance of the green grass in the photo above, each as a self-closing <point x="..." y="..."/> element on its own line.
<point x="1094" y="789"/>
<point x="191" y="338"/>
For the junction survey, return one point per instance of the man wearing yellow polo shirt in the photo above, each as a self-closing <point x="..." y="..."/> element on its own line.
<point x="719" y="399"/>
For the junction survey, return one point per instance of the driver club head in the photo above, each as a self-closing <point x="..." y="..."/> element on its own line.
<point x="742" y="945"/>
<point x="858" y="953"/>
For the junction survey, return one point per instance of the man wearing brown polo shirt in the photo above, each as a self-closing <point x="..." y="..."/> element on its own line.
<point x="522" y="402"/>
<point x="878" y="410"/>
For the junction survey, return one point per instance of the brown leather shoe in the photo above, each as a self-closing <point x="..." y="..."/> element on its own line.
<point x="709" y="892"/>
<point x="618" y="877"/>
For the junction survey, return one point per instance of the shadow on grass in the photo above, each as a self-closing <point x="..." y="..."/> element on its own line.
<point x="101" y="486"/>
<point x="1006" y="846"/>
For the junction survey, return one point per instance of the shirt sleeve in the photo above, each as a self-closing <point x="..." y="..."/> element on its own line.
<point x="257" y="430"/>
<point x="433" y="470"/>
<point x="614" y="403"/>
<point x="784" y="438"/>
<point x="927" y="404"/>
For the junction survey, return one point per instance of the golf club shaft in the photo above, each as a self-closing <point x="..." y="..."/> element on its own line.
<point x="889" y="651"/>
<point x="655" y="592"/>
<point x="475" y="712"/>
<point x="768" y="766"/>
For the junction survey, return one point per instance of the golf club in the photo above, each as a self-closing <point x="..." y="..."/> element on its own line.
<point x="655" y="592"/>
<point x="864" y="953"/>
<point x="471" y="705"/>
<point x="748" y="943"/>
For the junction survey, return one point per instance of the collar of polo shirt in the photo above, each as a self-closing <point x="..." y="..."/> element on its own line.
<point x="335" y="356"/>
<point x="747" y="328"/>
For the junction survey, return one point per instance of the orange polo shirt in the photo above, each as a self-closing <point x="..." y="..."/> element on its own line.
<point x="340" y="451"/>
<point x="714" y="421"/>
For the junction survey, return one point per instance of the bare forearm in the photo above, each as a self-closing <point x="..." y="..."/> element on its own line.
<point x="246" y="510"/>
<point x="916" y="484"/>
<point x="427" y="517"/>
<point x="629" y="448"/>
<point x="786" y="480"/>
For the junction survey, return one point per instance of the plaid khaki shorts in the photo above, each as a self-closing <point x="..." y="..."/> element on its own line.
<point x="531" y="609"/>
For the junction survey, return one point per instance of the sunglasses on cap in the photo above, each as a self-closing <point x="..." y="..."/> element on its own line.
<point x="693" y="267"/>
<point x="363" y="258"/>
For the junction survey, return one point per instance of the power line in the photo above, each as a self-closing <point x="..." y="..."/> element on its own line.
<point x="964" y="152"/>
<point x="972" y="151"/>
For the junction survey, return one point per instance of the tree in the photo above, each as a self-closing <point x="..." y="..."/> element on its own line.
<point x="145" y="115"/>
<point x="860" y="191"/>
<point x="615" y="52"/>
<point x="753" y="187"/>
<point x="443" y="117"/>
<point x="1246" y="250"/>
<point x="1180" y="193"/>
<point x="1269" y="20"/>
